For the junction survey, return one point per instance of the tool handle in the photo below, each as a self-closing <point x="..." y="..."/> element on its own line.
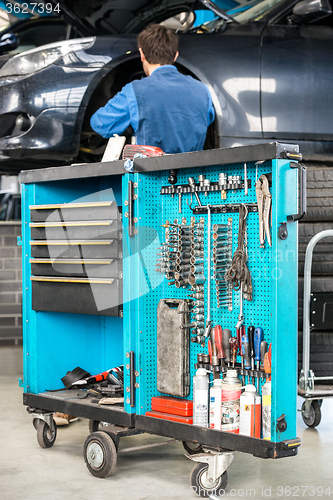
<point x="250" y="334"/>
<point x="242" y="332"/>
<point x="218" y="341"/>
<point x="246" y="352"/>
<point x="258" y="338"/>
<point x="210" y="350"/>
<point x="263" y="350"/>
<point x="233" y="347"/>
<point x="302" y="180"/>
<point x="226" y="335"/>
<point x="239" y="339"/>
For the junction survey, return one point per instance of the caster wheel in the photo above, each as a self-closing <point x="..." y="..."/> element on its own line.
<point x="314" y="417"/>
<point x="192" y="448"/>
<point x="201" y="485"/>
<point x="45" y="436"/>
<point x="100" y="454"/>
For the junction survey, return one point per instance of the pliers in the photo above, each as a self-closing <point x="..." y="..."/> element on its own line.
<point x="264" y="200"/>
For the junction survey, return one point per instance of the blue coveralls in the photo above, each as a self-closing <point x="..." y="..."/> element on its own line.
<point x="167" y="109"/>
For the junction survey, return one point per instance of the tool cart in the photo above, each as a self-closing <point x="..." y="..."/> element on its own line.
<point x="138" y="271"/>
<point x="317" y="316"/>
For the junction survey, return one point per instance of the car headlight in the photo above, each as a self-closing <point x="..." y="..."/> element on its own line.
<point x="34" y="60"/>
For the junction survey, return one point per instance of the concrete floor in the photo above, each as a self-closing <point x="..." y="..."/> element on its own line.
<point x="28" y="472"/>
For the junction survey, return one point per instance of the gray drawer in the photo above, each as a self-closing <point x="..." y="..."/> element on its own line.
<point x="101" y="297"/>
<point x="93" y="268"/>
<point x="86" y="230"/>
<point x="77" y="249"/>
<point x="102" y="210"/>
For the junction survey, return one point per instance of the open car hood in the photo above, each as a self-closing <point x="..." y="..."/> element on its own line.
<point x="102" y="17"/>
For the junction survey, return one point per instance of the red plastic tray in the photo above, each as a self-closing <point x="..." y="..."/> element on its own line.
<point x="174" y="406"/>
<point x="168" y="416"/>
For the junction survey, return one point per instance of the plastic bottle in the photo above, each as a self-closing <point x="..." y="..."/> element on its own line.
<point x="266" y="409"/>
<point x="231" y="391"/>
<point x="200" y="398"/>
<point x="267" y="397"/>
<point x="250" y="412"/>
<point x="215" y="405"/>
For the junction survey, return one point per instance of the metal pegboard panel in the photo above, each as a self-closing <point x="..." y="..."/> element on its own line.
<point x="155" y="210"/>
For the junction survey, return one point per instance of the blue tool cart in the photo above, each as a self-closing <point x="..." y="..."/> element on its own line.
<point x="133" y="276"/>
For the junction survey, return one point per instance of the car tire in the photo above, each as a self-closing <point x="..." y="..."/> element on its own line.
<point x="319" y="193"/>
<point x="321" y="353"/>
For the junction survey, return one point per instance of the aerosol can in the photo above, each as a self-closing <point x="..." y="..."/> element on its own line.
<point x="215" y="405"/>
<point x="250" y="412"/>
<point x="266" y="397"/>
<point x="200" y="398"/>
<point x="231" y="391"/>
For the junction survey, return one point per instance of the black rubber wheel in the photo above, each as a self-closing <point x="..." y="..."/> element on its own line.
<point x="192" y="448"/>
<point x="93" y="425"/>
<point x="100" y="454"/>
<point x="202" y="487"/>
<point x="315" y="414"/>
<point x="45" y="436"/>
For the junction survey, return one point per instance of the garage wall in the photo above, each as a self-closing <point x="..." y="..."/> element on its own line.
<point x="10" y="284"/>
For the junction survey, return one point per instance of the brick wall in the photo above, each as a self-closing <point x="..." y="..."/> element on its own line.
<point x="10" y="284"/>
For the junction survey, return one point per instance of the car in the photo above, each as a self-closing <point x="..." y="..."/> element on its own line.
<point x="267" y="63"/>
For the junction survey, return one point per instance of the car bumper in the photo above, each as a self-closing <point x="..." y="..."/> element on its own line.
<point x="55" y="135"/>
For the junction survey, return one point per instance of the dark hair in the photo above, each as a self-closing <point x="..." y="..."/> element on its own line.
<point x="159" y="44"/>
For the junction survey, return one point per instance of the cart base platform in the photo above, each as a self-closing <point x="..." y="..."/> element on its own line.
<point x="75" y="402"/>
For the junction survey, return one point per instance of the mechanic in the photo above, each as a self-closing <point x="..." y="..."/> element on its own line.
<point x="168" y="109"/>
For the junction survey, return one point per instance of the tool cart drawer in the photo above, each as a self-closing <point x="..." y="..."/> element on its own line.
<point x="93" y="268"/>
<point x="106" y="210"/>
<point x="77" y="249"/>
<point x="77" y="295"/>
<point x="75" y="230"/>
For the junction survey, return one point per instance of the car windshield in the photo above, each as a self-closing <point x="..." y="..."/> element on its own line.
<point x="250" y="11"/>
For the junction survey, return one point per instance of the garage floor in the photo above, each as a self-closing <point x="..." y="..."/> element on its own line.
<point x="59" y="473"/>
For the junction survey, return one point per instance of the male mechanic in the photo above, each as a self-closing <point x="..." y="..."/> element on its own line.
<point x="168" y="110"/>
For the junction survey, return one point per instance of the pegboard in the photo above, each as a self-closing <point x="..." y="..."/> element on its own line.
<point x="153" y="209"/>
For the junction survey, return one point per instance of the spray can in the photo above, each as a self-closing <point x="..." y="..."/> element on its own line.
<point x="231" y="391"/>
<point x="250" y="412"/>
<point x="200" y="398"/>
<point x="215" y="405"/>
<point x="266" y="409"/>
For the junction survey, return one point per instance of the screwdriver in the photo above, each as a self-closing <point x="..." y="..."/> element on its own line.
<point x="234" y="348"/>
<point x="218" y="342"/>
<point x="246" y="351"/>
<point x="263" y="350"/>
<point x="240" y="333"/>
<point x="250" y="333"/>
<point x="258" y="338"/>
<point x="226" y="335"/>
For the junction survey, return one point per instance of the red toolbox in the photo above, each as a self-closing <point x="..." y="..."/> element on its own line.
<point x="169" y="416"/>
<point x="174" y="406"/>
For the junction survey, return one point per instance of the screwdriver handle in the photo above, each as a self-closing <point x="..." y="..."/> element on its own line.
<point x="246" y="352"/>
<point x="250" y="334"/>
<point x="218" y="341"/>
<point x="258" y="338"/>
<point x="263" y="350"/>
<point x="234" y="348"/>
<point x="226" y="335"/>
<point x="242" y="332"/>
<point x="239" y="339"/>
<point x="210" y="350"/>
